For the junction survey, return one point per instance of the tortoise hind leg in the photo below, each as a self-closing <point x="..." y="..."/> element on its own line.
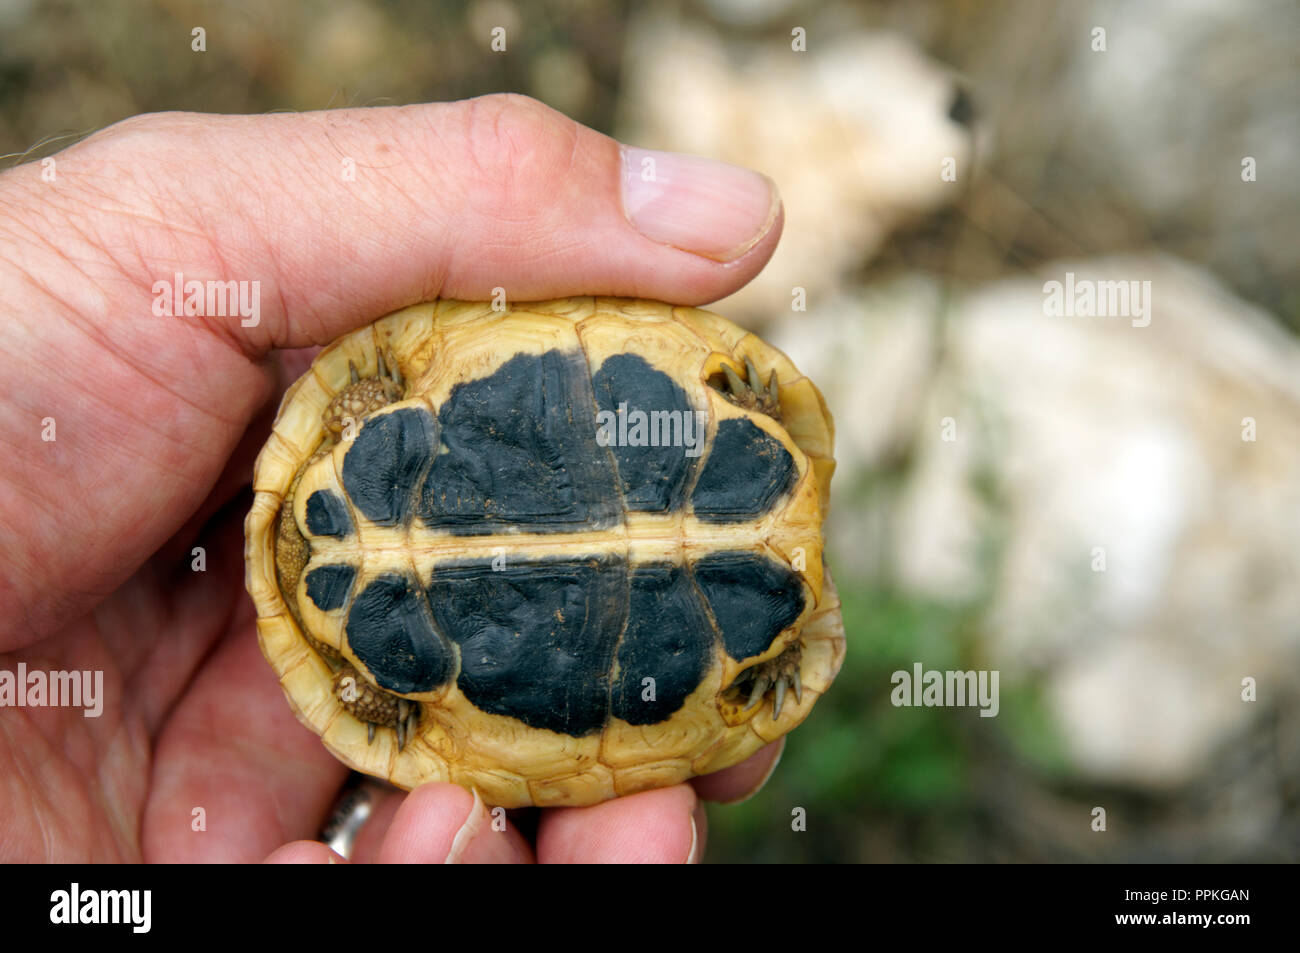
<point x="778" y="675"/>
<point x="374" y="706"/>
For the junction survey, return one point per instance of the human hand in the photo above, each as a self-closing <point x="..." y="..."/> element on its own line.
<point x="130" y="439"/>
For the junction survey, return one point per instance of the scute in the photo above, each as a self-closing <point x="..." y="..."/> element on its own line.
<point x="653" y="477"/>
<point x="386" y="462"/>
<point x="752" y="597"/>
<point x="327" y="514"/>
<point x="536" y="639"/>
<point x="328" y="586"/>
<point x="668" y="639"/>
<point x="521" y="452"/>
<point x="390" y="631"/>
<point x="747" y="472"/>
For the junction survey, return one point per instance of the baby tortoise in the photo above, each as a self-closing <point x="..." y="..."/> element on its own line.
<point x="557" y="553"/>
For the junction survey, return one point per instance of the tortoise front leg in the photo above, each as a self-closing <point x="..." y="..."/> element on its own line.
<point x="362" y="397"/>
<point x="777" y="675"/>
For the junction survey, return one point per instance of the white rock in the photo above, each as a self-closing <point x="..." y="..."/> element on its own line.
<point x="1102" y="436"/>
<point x="853" y="131"/>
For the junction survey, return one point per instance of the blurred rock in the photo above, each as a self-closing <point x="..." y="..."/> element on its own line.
<point x="561" y="80"/>
<point x="1184" y="93"/>
<point x="1078" y="437"/>
<point x="853" y="131"/>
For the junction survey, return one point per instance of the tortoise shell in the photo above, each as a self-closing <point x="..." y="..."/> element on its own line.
<point x="557" y="552"/>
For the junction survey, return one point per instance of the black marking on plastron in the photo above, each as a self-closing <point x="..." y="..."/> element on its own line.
<point x="668" y="638"/>
<point x="390" y="630"/>
<point x="384" y="466"/>
<point x="521" y="452"/>
<point x="328" y="586"/>
<point x="537" y="639"/>
<point x="653" y="477"/>
<point x="747" y="472"/>
<point x="327" y="514"/>
<point x="752" y="597"/>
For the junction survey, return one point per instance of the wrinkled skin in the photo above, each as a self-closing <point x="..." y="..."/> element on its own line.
<point x="157" y="420"/>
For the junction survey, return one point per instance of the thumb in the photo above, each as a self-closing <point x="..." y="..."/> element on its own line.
<point x="336" y="218"/>
<point x="343" y="216"/>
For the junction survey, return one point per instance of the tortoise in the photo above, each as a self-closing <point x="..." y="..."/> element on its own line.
<point x="556" y="552"/>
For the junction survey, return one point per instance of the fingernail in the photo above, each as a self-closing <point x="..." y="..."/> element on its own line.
<point x="693" y="857"/>
<point x="479" y="841"/>
<point x="468" y="831"/>
<point x="702" y="206"/>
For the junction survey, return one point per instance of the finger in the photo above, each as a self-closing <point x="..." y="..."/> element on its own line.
<point x="741" y="781"/>
<point x="656" y="827"/>
<point x="701" y="819"/>
<point x="443" y="823"/>
<point x="370" y="839"/>
<point x="284" y="368"/>
<point x="304" y="852"/>
<point x="233" y="750"/>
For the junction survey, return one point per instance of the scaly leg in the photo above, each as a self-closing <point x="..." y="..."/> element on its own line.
<point x="376" y="707"/>
<point x="777" y="675"/>
<point x="753" y="394"/>
<point x="362" y="397"/>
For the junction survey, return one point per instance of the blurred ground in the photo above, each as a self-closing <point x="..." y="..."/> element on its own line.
<point x="924" y="302"/>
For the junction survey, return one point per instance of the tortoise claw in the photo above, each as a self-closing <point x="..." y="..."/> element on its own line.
<point x="779" y="675"/>
<point x="352" y="373"/>
<point x="390" y="376"/>
<point x="753" y="394"/>
<point x="403" y="718"/>
<point x="738" y="387"/>
<point x="756" y="694"/>
<point x="374" y="707"/>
